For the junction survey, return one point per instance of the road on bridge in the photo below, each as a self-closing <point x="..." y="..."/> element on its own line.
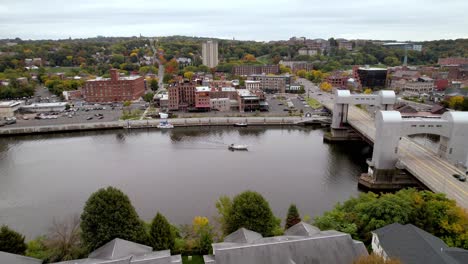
<point x="433" y="171"/>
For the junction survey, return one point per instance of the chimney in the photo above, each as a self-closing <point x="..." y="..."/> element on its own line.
<point x="114" y="74"/>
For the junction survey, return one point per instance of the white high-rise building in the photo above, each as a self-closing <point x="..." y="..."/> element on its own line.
<point x="210" y="53"/>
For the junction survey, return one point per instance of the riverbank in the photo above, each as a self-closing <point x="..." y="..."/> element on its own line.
<point x="140" y="124"/>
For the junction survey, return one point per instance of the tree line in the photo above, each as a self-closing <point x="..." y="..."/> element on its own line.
<point x="109" y="214"/>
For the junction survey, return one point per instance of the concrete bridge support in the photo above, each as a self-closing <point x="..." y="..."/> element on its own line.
<point x="390" y="127"/>
<point x="340" y="131"/>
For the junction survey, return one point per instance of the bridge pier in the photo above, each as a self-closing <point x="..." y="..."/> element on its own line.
<point x="387" y="179"/>
<point x="341" y="134"/>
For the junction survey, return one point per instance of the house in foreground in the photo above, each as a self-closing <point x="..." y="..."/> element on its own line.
<point x="9" y="258"/>
<point x="119" y="251"/>
<point x="412" y="245"/>
<point x="302" y="243"/>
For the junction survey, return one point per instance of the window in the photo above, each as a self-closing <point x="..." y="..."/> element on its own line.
<point x="422" y="125"/>
<point x="413" y="125"/>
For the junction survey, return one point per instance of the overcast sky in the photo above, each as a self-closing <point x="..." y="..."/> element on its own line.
<point x="240" y="19"/>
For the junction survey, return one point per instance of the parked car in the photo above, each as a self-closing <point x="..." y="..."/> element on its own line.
<point x="10" y="120"/>
<point x="456" y="176"/>
<point x="462" y="178"/>
<point x="89" y="118"/>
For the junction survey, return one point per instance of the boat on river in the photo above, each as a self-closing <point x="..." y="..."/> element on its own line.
<point x="237" y="147"/>
<point x="164" y="124"/>
<point x="240" y="125"/>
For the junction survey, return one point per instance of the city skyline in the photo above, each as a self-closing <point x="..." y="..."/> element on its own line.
<point x="260" y="20"/>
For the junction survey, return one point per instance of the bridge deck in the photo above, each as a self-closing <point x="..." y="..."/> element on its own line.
<point x="435" y="172"/>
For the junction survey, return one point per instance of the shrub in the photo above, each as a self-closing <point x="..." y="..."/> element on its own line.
<point x="11" y="241"/>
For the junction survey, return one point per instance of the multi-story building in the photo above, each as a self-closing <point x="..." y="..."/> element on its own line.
<point x="338" y="79"/>
<point x="220" y="104"/>
<point x="210" y="53"/>
<point x="452" y="61"/>
<point x="400" y="45"/>
<point x="346" y="45"/>
<point x="182" y="96"/>
<point x="370" y="77"/>
<point x="114" y="89"/>
<point x="202" y="98"/>
<point x="272" y="83"/>
<point x="298" y="65"/>
<point x="252" y="85"/>
<point x="245" y="70"/>
<point x="248" y="101"/>
<point x="307" y="52"/>
<point x="423" y="85"/>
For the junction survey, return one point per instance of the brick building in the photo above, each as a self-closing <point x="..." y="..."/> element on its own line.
<point x="182" y="95"/>
<point x="346" y="45"/>
<point x="338" y="79"/>
<point x="452" y="61"/>
<point x="202" y="98"/>
<point x="245" y="70"/>
<point x="114" y="89"/>
<point x="272" y="83"/>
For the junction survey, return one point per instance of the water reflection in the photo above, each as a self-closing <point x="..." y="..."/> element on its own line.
<point x="48" y="176"/>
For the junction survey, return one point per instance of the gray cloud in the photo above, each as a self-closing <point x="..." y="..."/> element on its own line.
<point x="242" y="19"/>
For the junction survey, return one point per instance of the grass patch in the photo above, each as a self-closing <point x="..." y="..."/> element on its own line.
<point x="313" y="103"/>
<point x="131" y="115"/>
<point x="195" y="260"/>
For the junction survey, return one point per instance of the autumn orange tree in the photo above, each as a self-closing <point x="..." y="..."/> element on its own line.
<point x="375" y="259"/>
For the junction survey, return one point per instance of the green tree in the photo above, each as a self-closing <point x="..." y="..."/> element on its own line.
<point x="154" y="84"/>
<point x="11" y="241"/>
<point x="392" y="61"/>
<point x="161" y="236"/>
<point x="224" y="205"/>
<point x="431" y="212"/>
<point x="250" y="210"/>
<point x="109" y="214"/>
<point x="293" y="216"/>
<point x="148" y="97"/>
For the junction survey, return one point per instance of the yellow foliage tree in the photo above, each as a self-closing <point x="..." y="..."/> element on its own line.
<point x="326" y="87"/>
<point x="199" y="222"/>
<point x="367" y="91"/>
<point x="188" y="75"/>
<point x="454" y="101"/>
<point x="284" y="69"/>
<point x="301" y="73"/>
<point x="249" y="57"/>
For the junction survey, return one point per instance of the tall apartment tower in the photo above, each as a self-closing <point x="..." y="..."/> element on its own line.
<point x="210" y="53"/>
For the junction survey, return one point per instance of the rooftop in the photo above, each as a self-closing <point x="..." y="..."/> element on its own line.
<point x="122" y="78"/>
<point x="203" y="89"/>
<point x="301" y="243"/>
<point x="414" y="245"/>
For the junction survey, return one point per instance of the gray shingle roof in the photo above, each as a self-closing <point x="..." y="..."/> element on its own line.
<point x="242" y="235"/>
<point x="118" y="248"/>
<point x="302" y="229"/>
<point x="302" y="243"/>
<point x="9" y="258"/>
<point x="413" y="245"/>
<point x="119" y="251"/>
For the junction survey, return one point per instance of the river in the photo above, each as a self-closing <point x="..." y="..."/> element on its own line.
<point x="179" y="173"/>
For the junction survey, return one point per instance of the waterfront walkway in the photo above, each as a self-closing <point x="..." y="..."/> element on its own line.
<point x="177" y="122"/>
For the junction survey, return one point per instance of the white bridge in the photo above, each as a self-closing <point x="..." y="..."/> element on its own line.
<point x="389" y="134"/>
